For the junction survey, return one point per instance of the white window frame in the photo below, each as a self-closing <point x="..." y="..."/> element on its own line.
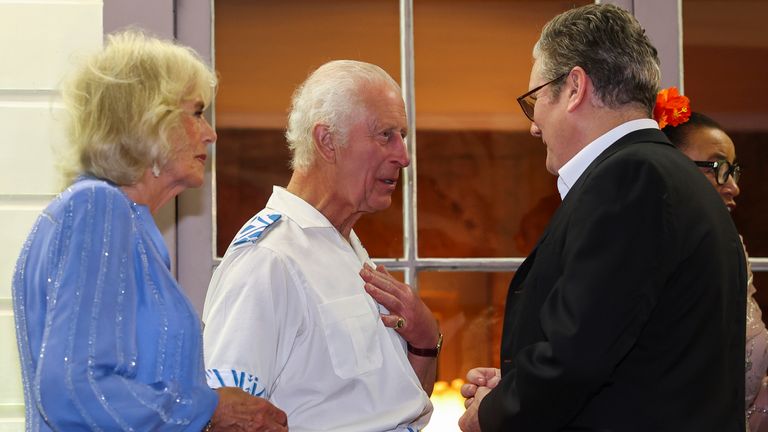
<point x="196" y="223"/>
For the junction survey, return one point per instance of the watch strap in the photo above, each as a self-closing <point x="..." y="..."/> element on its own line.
<point x="427" y="352"/>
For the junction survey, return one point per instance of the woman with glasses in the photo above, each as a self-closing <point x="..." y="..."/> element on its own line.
<point x="704" y="141"/>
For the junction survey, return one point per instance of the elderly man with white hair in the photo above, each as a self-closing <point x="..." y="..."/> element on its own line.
<point x="297" y="313"/>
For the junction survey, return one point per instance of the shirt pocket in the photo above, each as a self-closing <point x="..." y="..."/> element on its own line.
<point x="350" y="331"/>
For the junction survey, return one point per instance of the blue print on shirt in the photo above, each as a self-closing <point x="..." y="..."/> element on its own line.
<point x="234" y="378"/>
<point x="255" y="227"/>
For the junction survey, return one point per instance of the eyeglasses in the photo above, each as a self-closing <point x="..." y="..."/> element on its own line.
<point x="722" y="170"/>
<point x="528" y="101"/>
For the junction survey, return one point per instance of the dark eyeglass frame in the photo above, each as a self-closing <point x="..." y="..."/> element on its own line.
<point x="528" y="103"/>
<point x="722" y="169"/>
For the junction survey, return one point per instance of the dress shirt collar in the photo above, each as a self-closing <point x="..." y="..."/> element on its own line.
<point x="574" y="168"/>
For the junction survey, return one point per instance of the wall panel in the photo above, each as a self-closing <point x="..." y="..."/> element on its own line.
<point x="39" y="43"/>
<point x="42" y="38"/>
<point x="31" y="128"/>
<point x="18" y="215"/>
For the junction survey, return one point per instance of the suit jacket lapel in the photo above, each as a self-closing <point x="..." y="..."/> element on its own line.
<point x="518" y="284"/>
<point x="643" y="135"/>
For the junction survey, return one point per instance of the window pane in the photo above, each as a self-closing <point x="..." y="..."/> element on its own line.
<point x="733" y="91"/>
<point x="263" y="51"/>
<point x="248" y="163"/>
<point x="761" y="285"/>
<point x="470" y="309"/>
<point x="483" y="189"/>
<point x="482" y="193"/>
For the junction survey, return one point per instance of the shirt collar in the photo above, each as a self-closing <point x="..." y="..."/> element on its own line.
<point x="574" y="168"/>
<point x="300" y="211"/>
<point x="307" y="216"/>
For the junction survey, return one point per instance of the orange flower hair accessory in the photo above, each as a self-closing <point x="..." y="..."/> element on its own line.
<point x="671" y="108"/>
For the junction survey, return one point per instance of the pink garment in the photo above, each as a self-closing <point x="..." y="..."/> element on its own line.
<point x="756" y="392"/>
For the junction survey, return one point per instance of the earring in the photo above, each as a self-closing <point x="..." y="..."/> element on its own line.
<point x="155" y="169"/>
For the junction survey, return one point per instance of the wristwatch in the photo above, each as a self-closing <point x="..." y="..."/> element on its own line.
<point x="427" y="352"/>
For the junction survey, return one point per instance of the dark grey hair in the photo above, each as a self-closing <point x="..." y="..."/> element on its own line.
<point x="610" y="45"/>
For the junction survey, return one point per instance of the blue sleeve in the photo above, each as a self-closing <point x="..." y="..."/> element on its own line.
<point x="91" y="373"/>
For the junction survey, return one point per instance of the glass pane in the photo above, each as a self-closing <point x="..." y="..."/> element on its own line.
<point x="470" y="309"/>
<point x="733" y="91"/>
<point x="263" y="51"/>
<point x="761" y="285"/>
<point x="482" y="193"/>
<point x="483" y="189"/>
<point x="248" y="163"/>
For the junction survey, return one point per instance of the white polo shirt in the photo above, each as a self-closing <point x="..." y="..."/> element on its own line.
<point x="286" y="318"/>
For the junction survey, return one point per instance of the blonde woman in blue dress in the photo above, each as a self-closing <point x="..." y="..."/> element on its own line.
<point x="107" y="338"/>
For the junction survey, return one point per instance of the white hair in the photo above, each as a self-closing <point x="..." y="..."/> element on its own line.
<point x="331" y="95"/>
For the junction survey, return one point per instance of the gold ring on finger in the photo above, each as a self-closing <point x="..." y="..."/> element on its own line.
<point x="400" y="323"/>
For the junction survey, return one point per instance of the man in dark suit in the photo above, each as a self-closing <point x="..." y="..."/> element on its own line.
<point x="628" y="315"/>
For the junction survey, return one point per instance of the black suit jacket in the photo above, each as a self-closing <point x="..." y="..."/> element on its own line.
<point x="629" y="315"/>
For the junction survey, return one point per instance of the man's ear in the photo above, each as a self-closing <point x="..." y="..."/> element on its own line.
<point x="577" y="87"/>
<point x="322" y="138"/>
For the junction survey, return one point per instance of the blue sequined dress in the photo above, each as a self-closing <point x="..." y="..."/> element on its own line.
<point x="107" y="339"/>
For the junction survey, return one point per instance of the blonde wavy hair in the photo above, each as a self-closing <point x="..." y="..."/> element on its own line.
<point x="125" y="101"/>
